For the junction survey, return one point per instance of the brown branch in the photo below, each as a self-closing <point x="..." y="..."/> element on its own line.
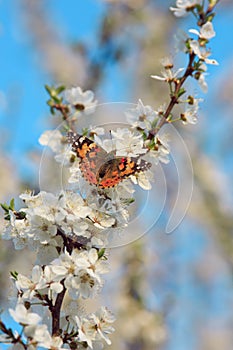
<point x="56" y="311"/>
<point x="70" y="243"/>
<point x="203" y="17"/>
<point x="175" y="96"/>
<point x="64" y="110"/>
<point x="12" y="338"/>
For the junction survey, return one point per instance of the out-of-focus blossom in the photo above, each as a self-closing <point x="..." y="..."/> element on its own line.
<point x="184" y="6"/>
<point x="206" y="31"/>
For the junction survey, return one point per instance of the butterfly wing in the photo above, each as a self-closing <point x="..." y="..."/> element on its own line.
<point x="90" y="154"/>
<point x="116" y="170"/>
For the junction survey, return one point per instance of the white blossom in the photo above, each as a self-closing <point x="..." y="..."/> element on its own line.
<point x="161" y="150"/>
<point x="17" y="230"/>
<point x="141" y="116"/>
<point x="31" y="286"/>
<point x="202" y="82"/>
<point x="189" y="116"/>
<point x="32" y="200"/>
<point x="39" y="335"/>
<point x="183" y="6"/>
<point x="202" y="52"/>
<point x="42" y="229"/>
<point x="102" y="220"/>
<point x="41" y="281"/>
<point x="81" y="100"/>
<point x="37" y="332"/>
<point x="161" y="109"/>
<point x="86" y="331"/>
<point x="128" y="144"/>
<point x="142" y="179"/>
<point x="206" y="31"/>
<point x="123" y="143"/>
<point x="57" y="142"/>
<point x="53" y="139"/>
<point x="24" y="316"/>
<point x="76" y="175"/>
<point x="75" y="228"/>
<point x="76" y="210"/>
<point x="83" y="285"/>
<point x="50" y="207"/>
<point x="75" y="206"/>
<point x="55" y="343"/>
<point x="81" y="272"/>
<point x="95" y="327"/>
<point x="168" y="75"/>
<point x="54" y="286"/>
<point x="103" y="320"/>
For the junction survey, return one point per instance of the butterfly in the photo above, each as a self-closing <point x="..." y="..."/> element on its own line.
<point x="101" y="168"/>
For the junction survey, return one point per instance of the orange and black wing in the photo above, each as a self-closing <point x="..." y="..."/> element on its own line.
<point x="116" y="170"/>
<point x="90" y="154"/>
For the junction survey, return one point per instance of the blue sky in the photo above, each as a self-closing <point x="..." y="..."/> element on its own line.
<point x="22" y="80"/>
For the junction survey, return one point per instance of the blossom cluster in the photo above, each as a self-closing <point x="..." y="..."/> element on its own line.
<point x="51" y="219"/>
<point x="62" y="232"/>
<point x="199" y="58"/>
<point x="70" y="230"/>
<point x="87" y="332"/>
<point x="77" y="273"/>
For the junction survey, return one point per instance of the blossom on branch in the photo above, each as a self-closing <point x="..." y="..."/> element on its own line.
<point x="24" y="316"/>
<point x="82" y="101"/>
<point x="184" y="7"/>
<point x="206" y="31"/>
<point x="141" y="116"/>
